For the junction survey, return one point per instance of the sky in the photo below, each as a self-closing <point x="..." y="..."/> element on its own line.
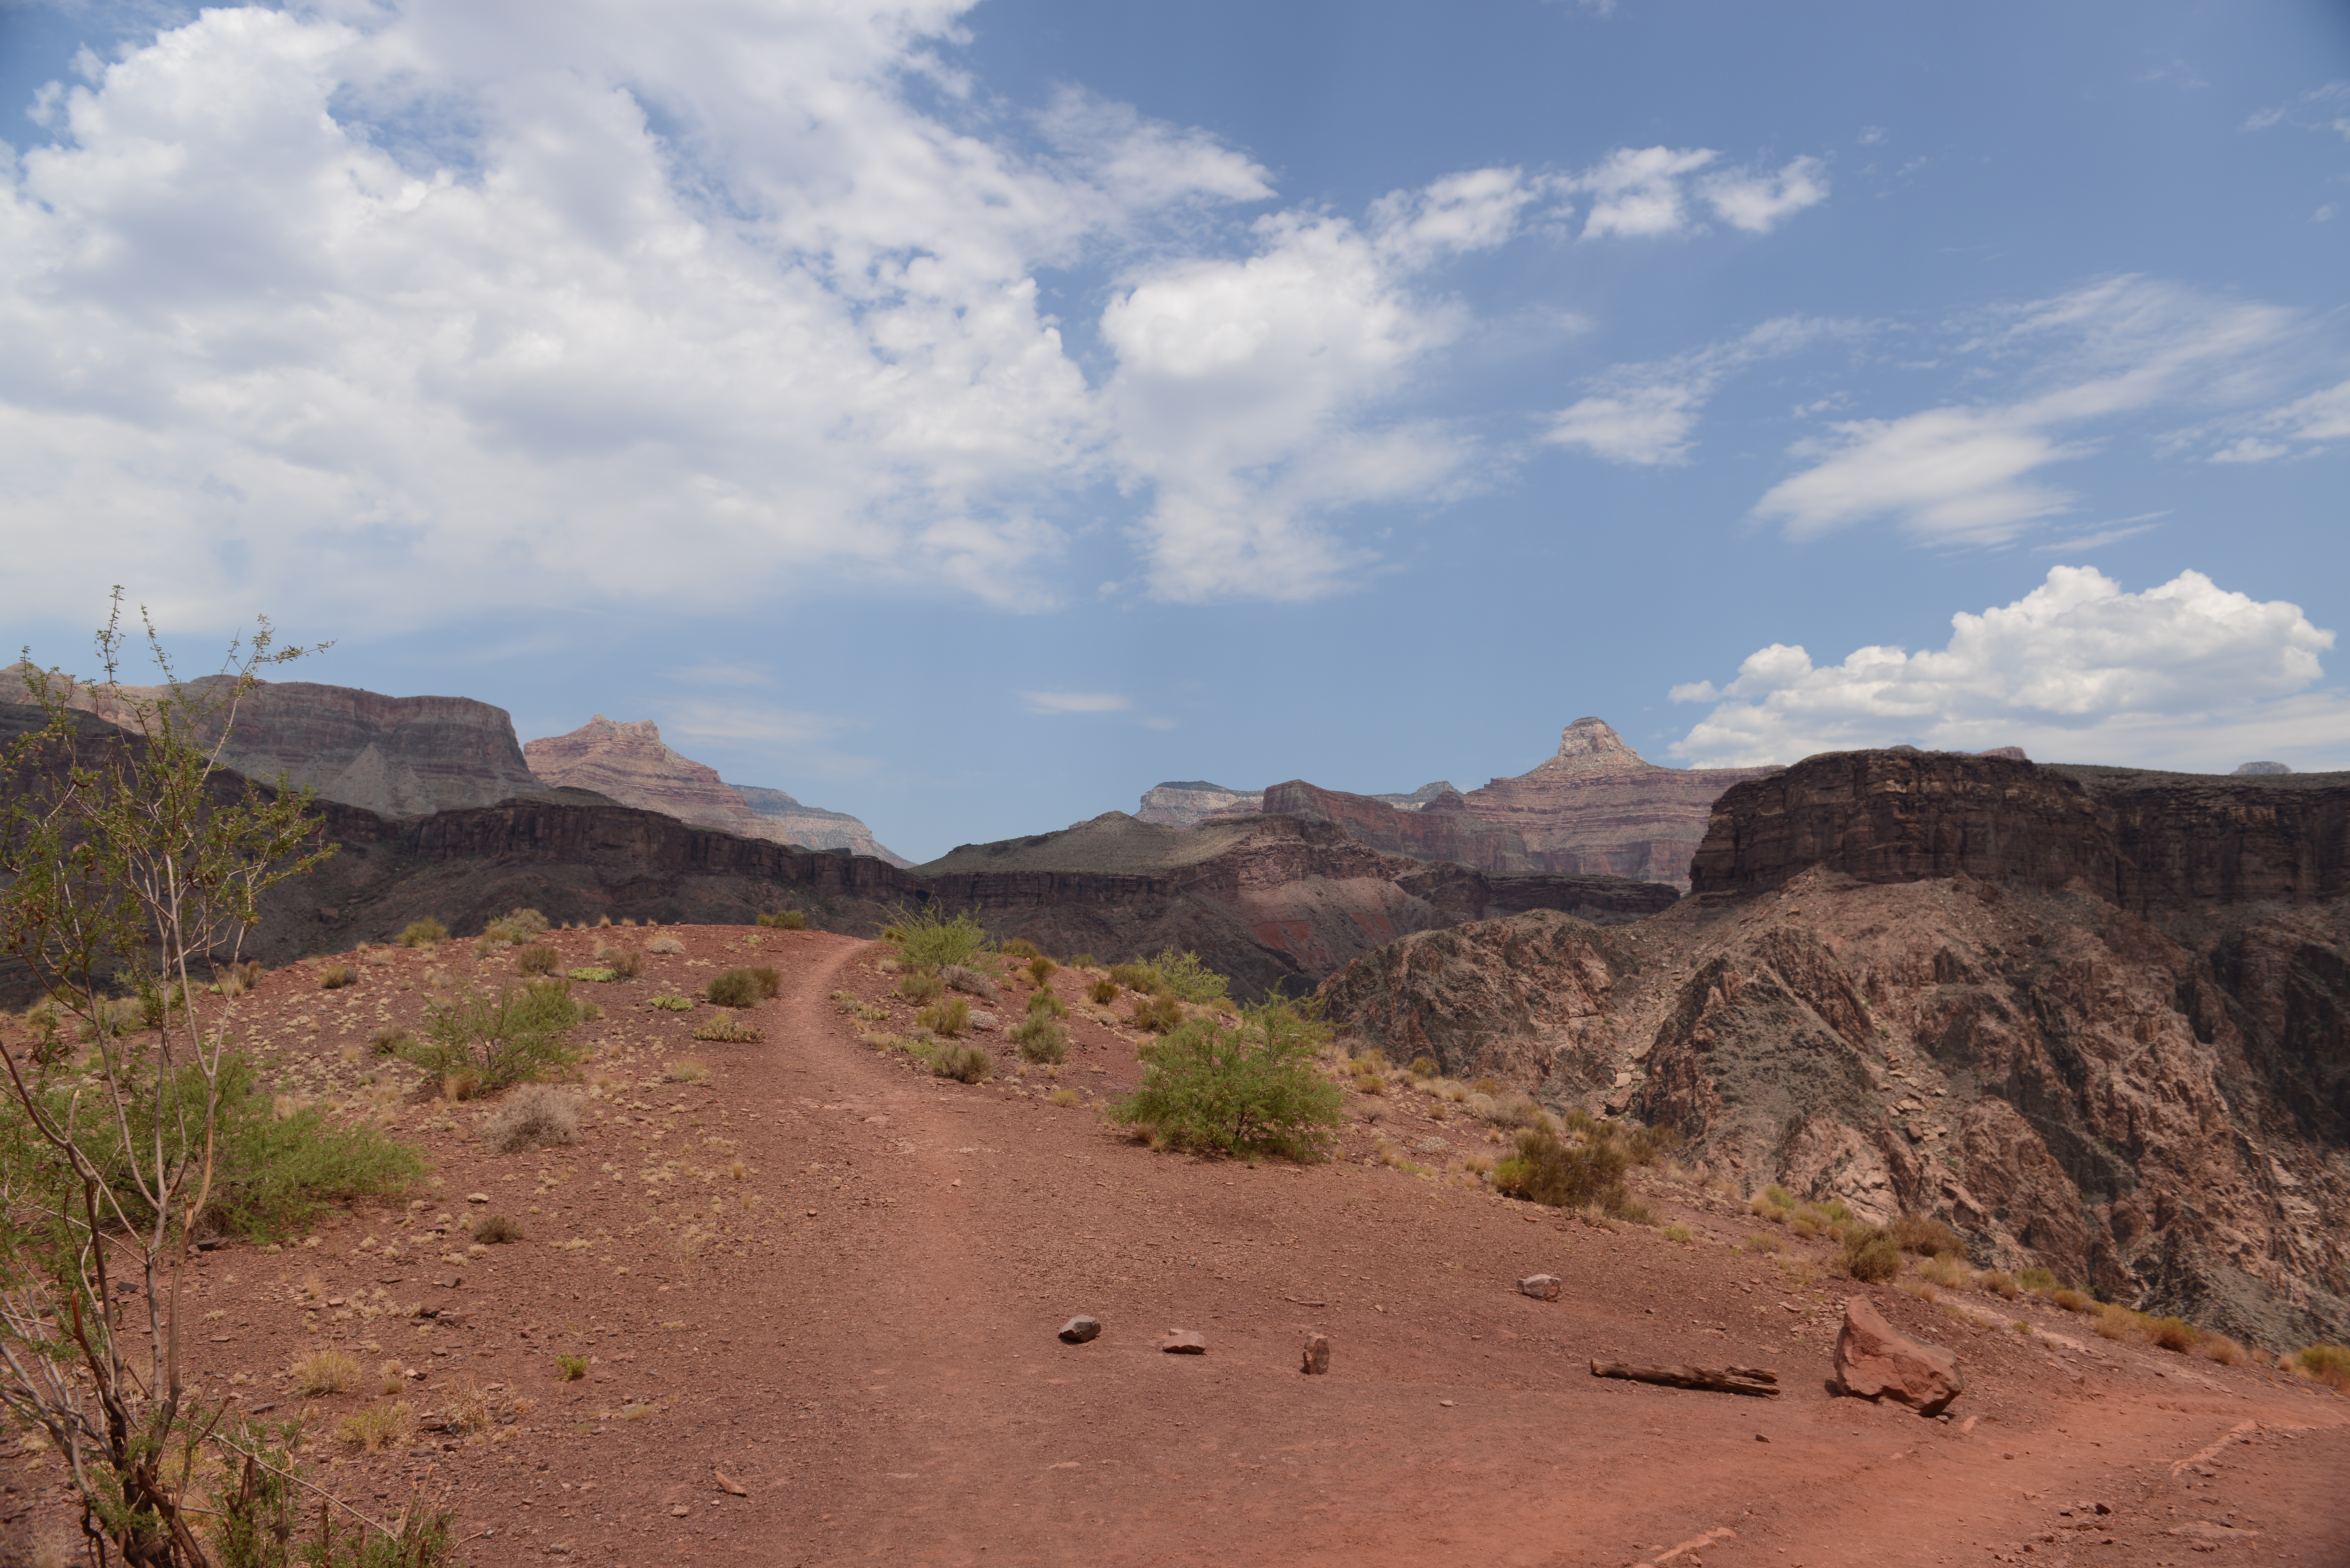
<point x="969" y="415"/>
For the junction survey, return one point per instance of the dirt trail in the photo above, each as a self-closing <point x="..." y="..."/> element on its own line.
<point x="863" y="1340"/>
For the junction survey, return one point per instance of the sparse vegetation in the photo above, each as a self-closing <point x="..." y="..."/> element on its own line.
<point x="424" y="933"/>
<point x="496" y="1230"/>
<point x="1869" y="1254"/>
<point x="539" y="959"/>
<point x="571" y="1368"/>
<point x="334" y="976"/>
<point x="666" y="946"/>
<point x="1925" y="1237"/>
<point x="2072" y="1300"/>
<point x="390" y="1040"/>
<point x="724" y="1029"/>
<point x="969" y="1064"/>
<point x="1044" y="1005"/>
<point x="743" y="987"/>
<point x="1189" y="979"/>
<point x="921" y="990"/>
<point x="1021" y="948"/>
<point x="1041" y="1039"/>
<point x="2329" y="1364"/>
<point x="2170" y="1332"/>
<point x="971" y="982"/>
<point x="377" y="1427"/>
<point x="1161" y="1015"/>
<point x="516" y="927"/>
<point x="1246" y="1090"/>
<point x="1587" y="1172"/>
<point x="626" y="963"/>
<point x="594" y="974"/>
<point x="786" y="920"/>
<point x="686" y="1070"/>
<point x="502" y="1039"/>
<point x="949" y="1018"/>
<point x="1040" y="970"/>
<point x="927" y="940"/>
<point x="1422" y="1067"/>
<point x="323" y="1372"/>
<point x="1764" y="1242"/>
<point x="1138" y="977"/>
<point x="1062" y="1098"/>
<point x="1103" y="991"/>
<point x="672" y="1003"/>
<point x="535" y="1116"/>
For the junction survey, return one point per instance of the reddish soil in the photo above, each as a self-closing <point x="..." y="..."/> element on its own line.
<point x="859" y="1333"/>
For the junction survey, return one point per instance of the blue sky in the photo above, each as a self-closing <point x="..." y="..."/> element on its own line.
<point x="967" y="416"/>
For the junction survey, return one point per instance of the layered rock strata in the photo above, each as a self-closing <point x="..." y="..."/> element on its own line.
<point x="2098" y="1021"/>
<point x="1188" y="805"/>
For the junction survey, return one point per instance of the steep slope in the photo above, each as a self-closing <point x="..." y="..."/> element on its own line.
<point x="398" y="757"/>
<point x="629" y="762"/>
<point x="1188" y="805"/>
<point x="2097" y="1020"/>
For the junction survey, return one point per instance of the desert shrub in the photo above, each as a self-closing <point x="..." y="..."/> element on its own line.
<point x="1082" y="961"/>
<point x="1021" y="948"/>
<point x="626" y="963"/>
<point x="2038" y="1281"/>
<point x="2172" y="1333"/>
<point x="786" y="920"/>
<point x="1370" y="1084"/>
<point x="949" y="1018"/>
<point x="2071" y="1300"/>
<point x="1189" y="979"/>
<point x="1040" y="970"/>
<point x="1870" y="1256"/>
<point x="1586" y="1172"/>
<point x="969" y="980"/>
<point x="743" y="987"/>
<point x="538" y="960"/>
<point x="1103" y="991"/>
<point x="268" y="1515"/>
<point x="534" y="1117"/>
<point x="1998" y="1283"/>
<point x="323" y="1372"/>
<point x="1246" y="1089"/>
<point x="594" y="974"/>
<point x="390" y="1040"/>
<point x="571" y="1368"/>
<point x="1422" y="1067"/>
<point x="424" y="933"/>
<point x="1764" y="1242"/>
<point x="2116" y="1323"/>
<point x="1927" y="1237"/>
<point x="1044" y="1005"/>
<point x="233" y="979"/>
<point x="516" y="927"/>
<point x="334" y="976"/>
<point x="377" y="1427"/>
<point x="665" y="945"/>
<point x="1951" y="1273"/>
<point x="671" y="1003"/>
<point x="727" y="1030"/>
<point x="920" y="989"/>
<point x="969" y="1064"/>
<point x="1773" y="1203"/>
<point x="1485" y="1087"/>
<point x="2222" y="1349"/>
<point x="496" y="1230"/>
<point x="1064" y="1098"/>
<point x="1161" y="1015"/>
<point x="686" y="1070"/>
<point x="1041" y="1039"/>
<point x="2329" y="1364"/>
<point x="925" y="937"/>
<point x="502" y="1039"/>
<point x="1138" y="977"/>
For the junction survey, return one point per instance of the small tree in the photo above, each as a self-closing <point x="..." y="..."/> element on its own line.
<point x="1249" y="1089"/>
<point x="130" y="859"/>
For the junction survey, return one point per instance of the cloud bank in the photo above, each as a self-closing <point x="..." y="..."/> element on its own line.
<point x="2186" y="675"/>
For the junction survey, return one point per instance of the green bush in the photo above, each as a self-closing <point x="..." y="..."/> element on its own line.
<point x="670" y="1003"/>
<point x="743" y="987"/>
<point x="1021" y="948"/>
<point x="516" y="927"/>
<point x="2038" y="1282"/>
<point x="1159" y="1014"/>
<point x="1103" y="991"/>
<point x="334" y="976"/>
<point x="1586" y="1173"/>
<point x="539" y="959"/>
<point x="1047" y="1004"/>
<point x="596" y="974"/>
<point x="1138" y="977"/>
<point x="424" y="933"/>
<point x="1188" y="979"/>
<point x="1041" y="1039"/>
<point x="968" y="1064"/>
<point x="1422" y="1067"/>
<point x="922" y="989"/>
<point x="786" y="920"/>
<point x="1040" y="970"/>
<point x="950" y="1018"/>
<point x="1869" y="1254"/>
<point x="504" y="1039"/>
<point x="926" y="939"/>
<point x="1246" y="1089"/>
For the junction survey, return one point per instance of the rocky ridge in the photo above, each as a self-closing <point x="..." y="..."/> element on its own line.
<point x="2097" y="1020"/>
<point x="1189" y="803"/>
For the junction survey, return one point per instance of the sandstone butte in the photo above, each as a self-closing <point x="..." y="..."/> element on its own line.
<point x="629" y="762"/>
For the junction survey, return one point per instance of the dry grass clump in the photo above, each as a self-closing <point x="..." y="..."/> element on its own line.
<point x="323" y="1372"/>
<point x="390" y="1040"/>
<point x="1062" y="1098"/>
<point x="516" y="927"/>
<point x="1422" y="1067"/>
<point x="626" y="963"/>
<point x="1040" y="970"/>
<point x="743" y="987"/>
<point x="377" y="1427"/>
<point x="968" y="1064"/>
<point x="665" y="945"/>
<point x="424" y="933"/>
<point x="1869" y="1254"/>
<point x="921" y="990"/>
<point x="2116" y="1322"/>
<point x="1951" y="1273"/>
<point x="2329" y="1364"/>
<point x="334" y="976"/>
<point x="1103" y="991"/>
<point x="686" y="1070"/>
<point x="539" y="959"/>
<point x="957" y="977"/>
<point x="2071" y="1300"/>
<point x="725" y="1030"/>
<point x="1763" y="1241"/>
<point x="1161" y="1015"/>
<point x="234" y="980"/>
<point x="496" y="1230"/>
<point x="786" y="920"/>
<point x="535" y="1116"/>
<point x="1021" y="948"/>
<point x="1998" y="1283"/>
<point x="1044" y="1003"/>
<point x="1041" y="1039"/>
<point x="950" y="1018"/>
<point x="2174" y="1334"/>
<point x="1925" y="1237"/>
<point x="2222" y="1349"/>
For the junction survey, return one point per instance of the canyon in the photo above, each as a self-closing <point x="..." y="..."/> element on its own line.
<point x="2096" y="1019"/>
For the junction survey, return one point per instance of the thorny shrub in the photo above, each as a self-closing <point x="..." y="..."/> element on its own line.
<point x="501" y="1039"/>
<point x="926" y="939"/>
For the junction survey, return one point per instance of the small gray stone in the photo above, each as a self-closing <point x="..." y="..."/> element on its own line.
<point x="1080" y="1331"/>
<point x="1317" y="1354"/>
<point x="1541" y="1287"/>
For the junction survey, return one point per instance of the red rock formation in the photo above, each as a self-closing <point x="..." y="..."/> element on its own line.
<point x="1441" y="830"/>
<point x="1599" y="807"/>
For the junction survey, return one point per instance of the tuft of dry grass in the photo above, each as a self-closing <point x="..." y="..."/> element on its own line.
<point x="537" y="959"/>
<point x="2329" y="1364"/>
<point x="921" y="990"/>
<point x="726" y="1029"/>
<point x="535" y="1116"/>
<point x="1925" y="1237"/>
<point x="2222" y="1349"/>
<point x="1998" y="1284"/>
<point x="966" y="1064"/>
<point x="377" y="1427"/>
<point x="949" y="1019"/>
<point x="424" y="933"/>
<point x="2072" y="1300"/>
<point x="665" y="946"/>
<point x="1763" y="1241"/>
<point x="1103" y="991"/>
<point x="323" y="1372"/>
<point x="2116" y="1322"/>
<point x="459" y="1085"/>
<point x="686" y="1070"/>
<point x="496" y="1230"/>
<point x="1062" y="1098"/>
<point x="334" y="976"/>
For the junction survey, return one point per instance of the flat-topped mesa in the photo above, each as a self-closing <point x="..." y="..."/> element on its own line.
<point x="1599" y="807"/>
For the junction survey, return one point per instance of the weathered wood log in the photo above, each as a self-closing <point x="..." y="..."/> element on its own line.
<point x="1758" y="1381"/>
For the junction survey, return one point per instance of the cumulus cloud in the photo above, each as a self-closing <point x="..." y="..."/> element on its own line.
<point x="1647" y="414"/>
<point x="1972" y="473"/>
<point x="1075" y="702"/>
<point x="1642" y="192"/>
<point x="2186" y="675"/>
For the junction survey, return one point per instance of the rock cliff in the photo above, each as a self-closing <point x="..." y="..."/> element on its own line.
<point x="1441" y="829"/>
<point x="2097" y="1020"/>
<point x="627" y="761"/>
<point x="1189" y="804"/>
<point x="1599" y="807"/>
<point x="397" y="756"/>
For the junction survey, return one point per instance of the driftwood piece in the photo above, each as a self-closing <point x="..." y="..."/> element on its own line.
<point x="1758" y="1381"/>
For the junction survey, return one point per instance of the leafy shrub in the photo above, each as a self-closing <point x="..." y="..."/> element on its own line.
<point x="924" y="938"/>
<point x="539" y="959"/>
<point x="534" y="1117"/>
<point x="1870" y="1256"/>
<point x="1190" y="980"/>
<point x="920" y="989"/>
<point x="1587" y="1173"/>
<point x="1041" y="1039"/>
<point x="1159" y="1014"/>
<point x="424" y="933"/>
<point x="504" y="1039"/>
<point x="743" y="987"/>
<point x="334" y="976"/>
<point x="1021" y="948"/>
<point x="666" y="945"/>
<point x="950" y="1018"/>
<point x="1925" y="1237"/>
<point x="786" y="920"/>
<point x="1138" y="977"/>
<point x="1103" y="991"/>
<point x="1249" y="1089"/>
<point x="668" y="1004"/>
<point x="1040" y="970"/>
<point x="596" y="974"/>
<point x="1422" y="1067"/>
<point x="726" y="1029"/>
<point x="1044" y="1003"/>
<point x="496" y="1230"/>
<point x="969" y="1064"/>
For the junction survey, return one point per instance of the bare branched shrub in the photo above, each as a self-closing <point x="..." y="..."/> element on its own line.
<point x="969" y="980"/>
<point x="535" y="1116"/>
<point x="665" y="945"/>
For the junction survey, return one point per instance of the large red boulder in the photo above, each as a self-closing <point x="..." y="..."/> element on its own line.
<point x="1876" y="1361"/>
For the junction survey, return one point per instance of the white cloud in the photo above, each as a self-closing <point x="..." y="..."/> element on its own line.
<point x="1647" y="414"/>
<point x="1761" y="203"/>
<point x="2186" y="675"/>
<point x="2321" y="416"/>
<point x="1075" y="701"/>
<point x="1640" y="192"/>
<point x="1969" y="473"/>
<point x="2320" y="108"/>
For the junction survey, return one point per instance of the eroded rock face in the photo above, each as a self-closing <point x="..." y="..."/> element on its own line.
<point x="1186" y="802"/>
<point x="1598" y="807"/>
<point x="2139" y="1080"/>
